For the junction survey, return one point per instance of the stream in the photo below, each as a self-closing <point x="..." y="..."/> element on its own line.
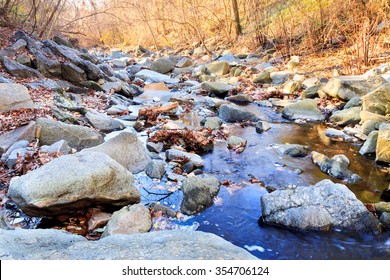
<point x="236" y="211"/>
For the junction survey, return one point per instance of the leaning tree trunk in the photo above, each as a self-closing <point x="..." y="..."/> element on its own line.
<point x="236" y="19"/>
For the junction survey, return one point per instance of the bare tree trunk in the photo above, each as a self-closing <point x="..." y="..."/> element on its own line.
<point x="55" y="10"/>
<point x="236" y="18"/>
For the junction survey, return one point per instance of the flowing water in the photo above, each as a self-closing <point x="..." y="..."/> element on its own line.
<point x="236" y="213"/>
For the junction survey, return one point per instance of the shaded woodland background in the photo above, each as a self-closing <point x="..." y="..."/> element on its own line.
<point x="291" y="27"/>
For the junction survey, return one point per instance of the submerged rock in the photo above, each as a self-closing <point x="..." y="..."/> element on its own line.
<point x="129" y="220"/>
<point x="198" y="194"/>
<point x="45" y="244"/>
<point x="323" y="206"/>
<point x="73" y="182"/>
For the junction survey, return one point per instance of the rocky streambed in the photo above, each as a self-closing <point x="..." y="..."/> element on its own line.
<point x="146" y="147"/>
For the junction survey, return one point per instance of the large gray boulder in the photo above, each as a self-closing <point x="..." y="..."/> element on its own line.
<point x="198" y="194"/>
<point x="103" y="122"/>
<point x="14" y="97"/>
<point x="19" y="70"/>
<point x="74" y="182"/>
<point x="323" y="206"/>
<point x="126" y="149"/>
<point x="78" y="137"/>
<point x="162" y="65"/>
<point x="378" y="101"/>
<point x="129" y="220"/>
<point x="337" y="166"/>
<point x="383" y="144"/>
<point x="232" y="113"/>
<point x="347" y="87"/>
<point x="305" y="109"/>
<point x="45" y="244"/>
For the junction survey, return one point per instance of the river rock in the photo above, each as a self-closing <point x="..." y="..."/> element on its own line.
<point x="323" y="206"/>
<point x="280" y="77"/>
<point x="24" y="59"/>
<point x="294" y="150"/>
<point x="346" y="87"/>
<point x="98" y="219"/>
<point x="129" y="220"/>
<point x="232" y="113"/>
<point x="126" y="149"/>
<point x="240" y="98"/>
<point x="17" y="145"/>
<point x="234" y="142"/>
<point x="218" y="68"/>
<point x="73" y="73"/>
<point x="353" y="102"/>
<point x="291" y="86"/>
<point x="58" y="147"/>
<point x="262" y="126"/>
<point x="19" y="70"/>
<point x="378" y="101"/>
<point x="155" y="169"/>
<point x="26" y="132"/>
<point x="14" y="97"/>
<point x="5" y="80"/>
<point x="337" y="166"/>
<point x="213" y="122"/>
<point x="107" y="69"/>
<point x="369" y="126"/>
<point x="312" y="92"/>
<point x="217" y="88"/>
<point x="262" y="78"/>
<point x="152" y="76"/>
<point x="198" y="194"/>
<point x="73" y="182"/>
<point x="45" y="244"/>
<point x="346" y="116"/>
<point x="369" y="147"/>
<point x="78" y="137"/>
<point x="293" y="62"/>
<point x="184" y="62"/>
<point x="365" y="116"/>
<point x="173" y="154"/>
<point x="383" y="144"/>
<point x="19" y="46"/>
<point x="103" y="122"/>
<point x="162" y="65"/>
<point x="47" y="66"/>
<point x="304" y="109"/>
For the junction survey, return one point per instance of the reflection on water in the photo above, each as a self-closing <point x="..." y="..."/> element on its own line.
<point x="236" y="212"/>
